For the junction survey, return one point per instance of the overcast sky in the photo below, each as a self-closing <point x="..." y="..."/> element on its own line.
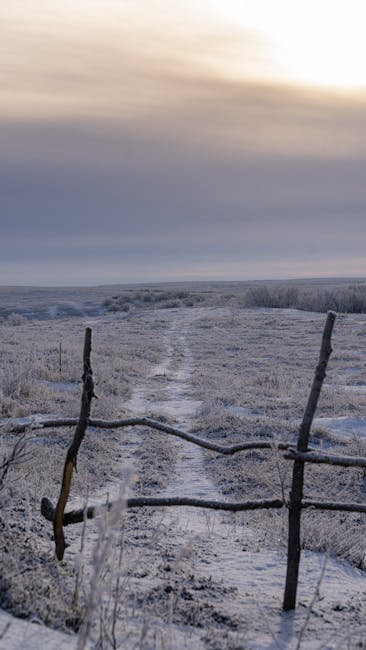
<point x="157" y="140"/>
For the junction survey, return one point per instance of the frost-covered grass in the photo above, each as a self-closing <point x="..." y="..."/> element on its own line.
<point x="251" y="370"/>
<point x="33" y="584"/>
<point x="123" y="351"/>
<point x="264" y="362"/>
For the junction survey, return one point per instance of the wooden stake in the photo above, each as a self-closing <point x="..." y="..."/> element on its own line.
<point x="296" y="494"/>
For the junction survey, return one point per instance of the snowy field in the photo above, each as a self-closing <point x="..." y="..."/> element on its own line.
<point x="178" y="577"/>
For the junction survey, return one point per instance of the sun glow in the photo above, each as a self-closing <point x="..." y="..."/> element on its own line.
<point x="313" y="42"/>
<point x="123" y="57"/>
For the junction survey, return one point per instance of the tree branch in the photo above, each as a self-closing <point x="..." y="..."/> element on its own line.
<point x="77" y="516"/>
<point x="331" y="505"/>
<point x="158" y="426"/>
<point x="329" y="459"/>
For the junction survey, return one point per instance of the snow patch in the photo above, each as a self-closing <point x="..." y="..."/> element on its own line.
<point x="343" y="425"/>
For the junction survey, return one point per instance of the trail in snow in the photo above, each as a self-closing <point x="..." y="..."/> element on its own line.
<point x="224" y="551"/>
<point x="172" y="376"/>
<point x="257" y="578"/>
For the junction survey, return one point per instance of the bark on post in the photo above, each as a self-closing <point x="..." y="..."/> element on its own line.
<point x="71" y="456"/>
<point x="296" y="494"/>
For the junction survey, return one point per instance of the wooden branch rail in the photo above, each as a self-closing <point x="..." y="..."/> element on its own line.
<point x="158" y="426"/>
<point x="90" y="512"/>
<point x="325" y="458"/>
<point x="78" y="516"/>
<point x="333" y="505"/>
<point x="300" y="455"/>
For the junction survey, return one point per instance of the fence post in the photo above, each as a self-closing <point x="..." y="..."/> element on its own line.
<point x="296" y="494"/>
<point x="72" y="452"/>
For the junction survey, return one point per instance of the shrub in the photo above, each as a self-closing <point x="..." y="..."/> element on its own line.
<point x="16" y="319"/>
<point x="349" y="299"/>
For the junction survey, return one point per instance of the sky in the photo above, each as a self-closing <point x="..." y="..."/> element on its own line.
<point x="176" y="140"/>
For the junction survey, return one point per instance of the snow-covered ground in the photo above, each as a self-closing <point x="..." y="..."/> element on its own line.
<point x="197" y="579"/>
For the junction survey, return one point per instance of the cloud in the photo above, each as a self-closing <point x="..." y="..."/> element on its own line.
<point x="126" y="157"/>
<point x="111" y="59"/>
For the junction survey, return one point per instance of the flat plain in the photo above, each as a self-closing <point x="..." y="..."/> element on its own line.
<point x="199" y="358"/>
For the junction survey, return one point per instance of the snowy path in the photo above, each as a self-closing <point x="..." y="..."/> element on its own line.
<point x="255" y="580"/>
<point x="177" y="402"/>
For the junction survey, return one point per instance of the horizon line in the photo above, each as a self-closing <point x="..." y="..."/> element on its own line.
<point x="197" y="281"/>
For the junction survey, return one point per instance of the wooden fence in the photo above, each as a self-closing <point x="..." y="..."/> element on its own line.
<point x="299" y="454"/>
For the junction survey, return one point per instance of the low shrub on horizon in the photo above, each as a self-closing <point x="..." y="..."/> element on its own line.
<point x="350" y="299"/>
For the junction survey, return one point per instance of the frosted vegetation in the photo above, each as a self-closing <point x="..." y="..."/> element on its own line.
<point x="350" y="299"/>
<point x="140" y="578"/>
<point x="319" y="297"/>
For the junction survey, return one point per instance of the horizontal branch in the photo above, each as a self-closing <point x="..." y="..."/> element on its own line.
<point x="22" y="427"/>
<point x="77" y="516"/>
<point x="160" y="426"/>
<point x="329" y="459"/>
<point x="329" y="505"/>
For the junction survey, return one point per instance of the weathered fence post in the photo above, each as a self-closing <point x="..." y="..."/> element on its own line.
<point x="72" y="452"/>
<point x="296" y="494"/>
